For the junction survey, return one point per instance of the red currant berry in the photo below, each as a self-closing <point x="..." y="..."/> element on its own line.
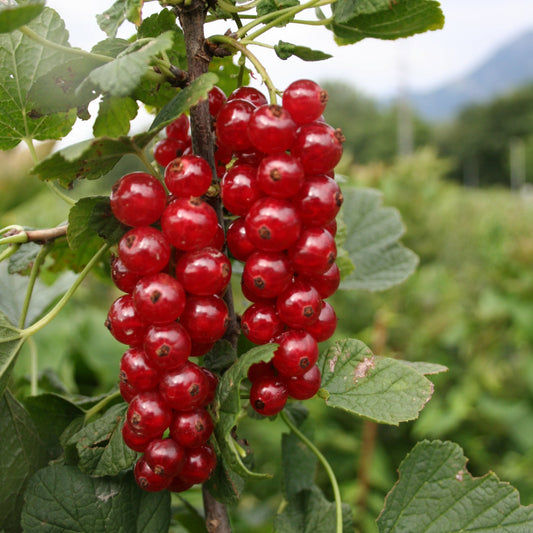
<point x="138" y="199"/>
<point x="199" y="464"/>
<point x="305" y="100"/>
<point x="218" y="241"/>
<point x="166" y="150"/>
<point x="189" y="223"/>
<point x="179" y="128"/>
<point x="280" y="175"/>
<point x="149" y="414"/>
<point x="327" y="283"/>
<point x="266" y="275"/>
<point x="189" y="175"/>
<point x="239" y="244"/>
<point x="147" y="479"/>
<point x="297" y="352"/>
<point x="217" y="98"/>
<point x="185" y="388"/>
<point x="260" y="323"/>
<point x="124" y="323"/>
<point x="268" y="395"/>
<point x="124" y="279"/>
<point x="206" y="318"/>
<point x="165" y="457"/>
<point x="201" y="348"/>
<point x="179" y="485"/>
<point x="204" y="272"/>
<point x="326" y="324"/>
<point x="314" y="252"/>
<point x="127" y="391"/>
<point x="168" y="346"/>
<point x="272" y="224"/>
<point x="271" y="129"/>
<point x="239" y="189"/>
<point x="305" y="386"/>
<point x="250" y="94"/>
<point x="299" y="305"/>
<point x="133" y="440"/>
<point x="318" y="201"/>
<point x="331" y="226"/>
<point x="249" y="157"/>
<point x="261" y="369"/>
<point x="318" y="146"/>
<point x="191" y="428"/>
<point x="232" y="123"/>
<point x="136" y="371"/>
<point x="144" y="250"/>
<point x="212" y="379"/>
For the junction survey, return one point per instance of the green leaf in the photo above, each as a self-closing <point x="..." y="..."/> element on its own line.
<point x="111" y="47"/>
<point x="221" y="356"/>
<point x="61" y="498"/>
<point x="309" y="512"/>
<point x="298" y="465"/>
<point x="100" y="446"/>
<point x="12" y="16"/>
<point x="11" y="341"/>
<point x="114" y="116"/>
<point x="378" y="388"/>
<point x="228" y="73"/>
<point x="285" y="50"/>
<point x="403" y="19"/>
<point x="372" y="232"/>
<point x="121" y="76"/>
<point x="224" y="484"/>
<point x="51" y="415"/>
<point x="22" y="260"/>
<point x="22" y="62"/>
<point x="347" y="9"/>
<point x="271" y="6"/>
<point x="111" y="19"/>
<point x="21" y="454"/>
<point x="134" y="10"/>
<point x="436" y="493"/>
<point x="426" y="369"/>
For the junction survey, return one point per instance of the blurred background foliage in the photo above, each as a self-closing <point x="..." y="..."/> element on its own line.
<point x="469" y="306"/>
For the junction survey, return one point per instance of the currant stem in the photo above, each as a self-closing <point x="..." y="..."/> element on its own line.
<point x="34" y="328"/>
<point x="95" y="409"/>
<point x="8" y="252"/>
<point x="39" y="235"/>
<point x="34" y="367"/>
<point x="325" y="464"/>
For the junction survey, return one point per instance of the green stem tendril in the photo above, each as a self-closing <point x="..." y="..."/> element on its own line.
<point x="257" y="43"/>
<point x="34" y="367"/>
<point x="151" y="168"/>
<point x="230" y="8"/>
<point x="102" y="404"/>
<point x="8" y="252"/>
<point x="34" y="328"/>
<point x="325" y="464"/>
<point x="37" y="263"/>
<point x="223" y="39"/>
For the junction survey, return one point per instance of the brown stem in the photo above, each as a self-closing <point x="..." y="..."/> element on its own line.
<point x="192" y="18"/>
<point x="39" y="236"/>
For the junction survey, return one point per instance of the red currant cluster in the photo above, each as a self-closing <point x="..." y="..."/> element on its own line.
<point x="281" y="186"/>
<point x="172" y="269"/>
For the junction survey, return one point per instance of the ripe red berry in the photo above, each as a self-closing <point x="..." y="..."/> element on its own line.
<point x="250" y="94"/>
<point x="218" y="241"/>
<point x="239" y="189"/>
<point x="271" y="129"/>
<point x="326" y="324"/>
<point x="165" y="457"/>
<point x="239" y="244"/>
<point x="327" y="283"/>
<point x="261" y="369"/>
<point x="305" y="100"/>
<point x="268" y="395"/>
<point x="260" y="323"/>
<point x="144" y="250"/>
<point x="124" y="279"/>
<point x="314" y="252"/>
<point x="127" y="391"/>
<point x="280" y="175"/>
<point x="212" y="380"/>
<point x="124" y="323"/>
<point x="179" y="485"/>
<point x="232" y="123"/>
<point x="199" y="464"/>
<point x="138" y="199"/>
<point x="133" y="440"/>
<point x="217" y="98"/>
<point x="191" y="428"/>
<point x="179" y="128"/>
<point x="297" y="352"/>
<point x="206" y="318"/>
<point x="167" y="346"/>
<point x="249" y="157"/>
<point x="147" y="479"/>
<point x="166" y="150"/>
<point x="299" y="305"/>
<point x="137" y="371"/>
<point x="305" y="386"/>
<point x="201" y="348"/>
<point x="189" y="175"/>
<point x="149" y="414"/>
<point x="185" y="388"/>
<point x="266" y="275"/>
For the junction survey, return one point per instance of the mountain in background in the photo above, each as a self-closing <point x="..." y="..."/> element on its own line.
<point x="507" y="69"/>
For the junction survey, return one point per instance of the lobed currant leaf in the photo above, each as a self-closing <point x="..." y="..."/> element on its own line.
<point x="285" y="50"/>
<point x="114" y="116"/>
<point x="12" y="16"/>
<point x="112" y="18"/>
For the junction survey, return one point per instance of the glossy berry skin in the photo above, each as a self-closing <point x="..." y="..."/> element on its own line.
<point x="179" y="128"/>
<point x="327" y="283"/>
<point x="318" y="146"/>
<point x="261" y="369"/>
<point x="268" y="395"/>
<point x="137" y="199"/>
<point x="297" y="352"/>
<point x="206" y="318"/>
<point x="144" y="250"/>
<point x="133" y="440"/>
<point x="280" y="175"/>
<point x="250" y="94"/>
<point x="325" y="325"/>
<point x="305" y="100"/>
<point x="166" y="150"/>
<point x="266" y="275"/>
<point x="199" y="464"/>
<point x="147" y="479"/>
<point x="272" y="224"/>
<point x="238" y="242"/>
<point x="167" y="346"/>
<point x="299" y="305"/>
<point x="127" y="391"/>
<point x="305" y="386"/>
<point x="165" y="457"/>
<point x="189" y="223"/>
<point x="204" y="272"/>
<point x="179" y="485"/>
<point x="218" y="241"/>
<point x="314" y="252"/>
<point x="260" y="323"/>
<point x="232" y="123"/>
<point x="149" y="414"/>
<point x="124" y="279"/>
<point x="271" y="129"/>
<point x="124" y="323"/>
<point x="188" y="175"/>
<point x="191" y="428"/>
<point x="249" y="157"/>
<point x="212" y="380"/>
<point x="159" y="298"/>
<point x="331" y="226"/>
<point x="201" y="348"/>
<point x="184" y="389"/>
<point x="217" y="98"/>
<point x="239" y="189"/>
<point x="137" y="371"/>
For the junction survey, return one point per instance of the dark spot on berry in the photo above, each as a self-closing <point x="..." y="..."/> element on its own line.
<point x="123" y="377"/>
<point x="331" y="258"/>
<point x="154" y="297"/>
<point x="135" y="419"/>
<point x="194" y="389"/>
<point x="159" y="470"/>
<point x="339" y="198"/>
<point x="259" y="405"/>
<point x="225" y="270"/>
<point x="264" y="233"/>
<point x="198" y="426"/>
<point x="308" y="311"/>
<point x="304" y="362"/>
<point x="195" y="201"/>
<point x="143" y="482"/>
<point x="163" y="350"/>
<point x="276" y="110"/>
<point x="130" y="241"/>
<point x="259" y="282"/>
<point x="107" y="324"/>
<point x="275" y="174"/>
<point x="324" y="97"/>
<point x="339" y="135"/>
